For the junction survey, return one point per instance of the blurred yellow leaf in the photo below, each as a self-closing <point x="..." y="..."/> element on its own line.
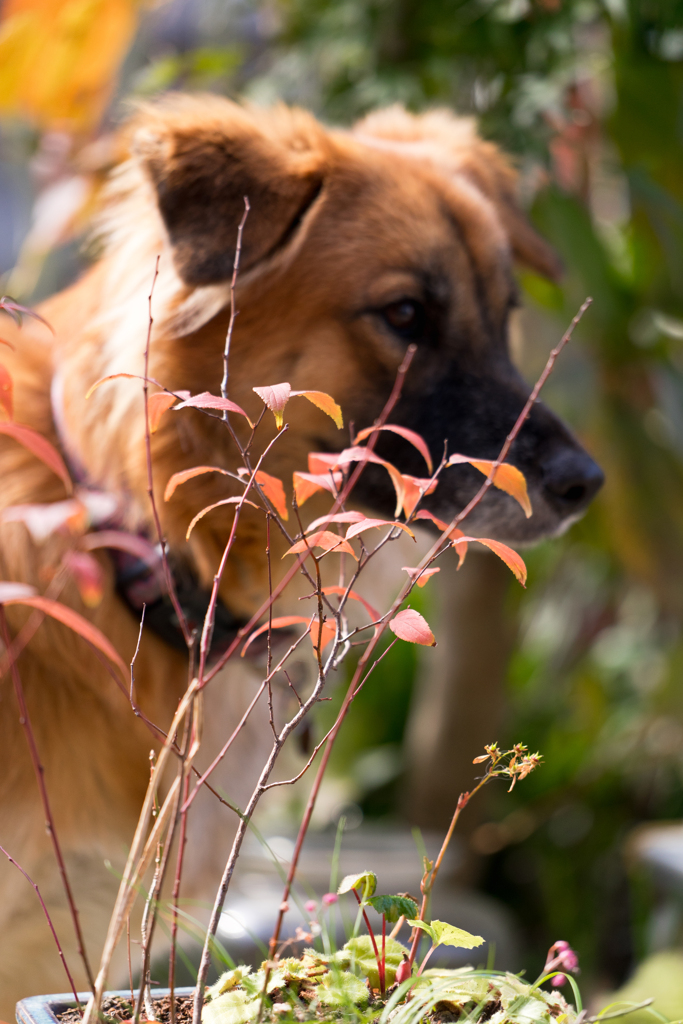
<point x="59" y="58"/>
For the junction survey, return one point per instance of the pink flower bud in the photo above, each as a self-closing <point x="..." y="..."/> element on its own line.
<point x="558" y="980"/>
<point x="569" y="959"/>
<point x="310" y="906"/>
<point x="403" y="971"/>
<point x="329" y="898"/>
<point x="561" y="944"/>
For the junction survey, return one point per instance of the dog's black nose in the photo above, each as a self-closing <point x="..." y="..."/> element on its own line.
<point x="571" y="479"/>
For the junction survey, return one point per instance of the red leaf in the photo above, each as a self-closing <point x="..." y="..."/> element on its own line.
<point x="187" y="474"/>
<point x="157" y="405"/>
<point x="340" y="517"/>
<point x="133" y="543"/>
<point x="16" y="311"/>
<point x="506" y="477"/>
<point x="453" y="533"/>
<point x="371" y="524"/>
<point x="41" y="448"/>
<point x="408" y="435"/>
<point x="68" y="617"/>
<point x="6" y="388"/>
<point x="420" y="576"/>
<point x="513" y="561"/>
<point x="354" y="596"/>
<point x="278" y="623"/>
<point x="89" y="577"/>
<point x="208" y="401"/>
<point x="217" y="504"/>
<point x="275" y="396"/>
<point x="324" y="402"/>
<point x="274" y="491"/>
<point x="415" y="489"/>
<point x="306" y="484"/>
<point x="324" y="539"/>
<point x="409" y="625"/>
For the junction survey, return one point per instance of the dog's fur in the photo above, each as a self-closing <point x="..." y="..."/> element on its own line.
<point x="344" y="226"/>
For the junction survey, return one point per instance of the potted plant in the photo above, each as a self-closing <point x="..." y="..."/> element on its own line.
<point x="371" y="977"/>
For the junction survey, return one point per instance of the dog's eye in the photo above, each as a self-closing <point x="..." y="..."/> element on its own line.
<point x="406" y="317"/>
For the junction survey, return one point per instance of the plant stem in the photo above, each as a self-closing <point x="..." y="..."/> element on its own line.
<point x="49" y="921"/>
<point x="378" y="958"/>
<point x="39" y="771"/>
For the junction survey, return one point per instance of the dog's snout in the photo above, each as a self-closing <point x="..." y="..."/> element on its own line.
<point x="571" y="479"/>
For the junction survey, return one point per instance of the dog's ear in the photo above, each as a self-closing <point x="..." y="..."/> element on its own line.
<point x="203" y="155"/>
<point x="452" y="145"/>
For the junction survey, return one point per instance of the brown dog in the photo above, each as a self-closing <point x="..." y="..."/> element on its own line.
<point x="357" y="244"/>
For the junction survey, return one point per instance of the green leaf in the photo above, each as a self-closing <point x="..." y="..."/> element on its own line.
<point x="394" y="907"/>
<point x="339" y="989"/>
<point x="233" y="1007"/>
<point x="367" y="879"/>
<point x="443" y="934"/>
<point x="228" y="981"/>
<point x="364" y="959"/>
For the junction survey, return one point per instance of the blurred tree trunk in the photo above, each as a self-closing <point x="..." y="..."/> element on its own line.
<point x="459" y="698"/>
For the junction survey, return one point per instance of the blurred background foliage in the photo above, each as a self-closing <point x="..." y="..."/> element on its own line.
<point x="588" y="95"/>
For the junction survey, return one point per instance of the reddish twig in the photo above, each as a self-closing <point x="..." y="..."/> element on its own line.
<point x="49" y="921"/>
<point x="47" y="810"/>
<point x="168" y="576"/>
<point x="233" y="309"/>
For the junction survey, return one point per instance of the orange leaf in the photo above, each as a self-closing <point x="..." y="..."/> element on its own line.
<point x="275" y="396"/>
<point x="371" y="524"/>
<point x="415" y="489"/>
<point x="409" y="625"/>
<point x="217" y="504"/>
<point x="324" y="539"/>
<point x="513" y="561"/>
<point x="111" y="376"/>
<point x="453" y="533"/>
<point x="420" y="576"/>
<point x="360" y="454"/>
<point x="461" y="548"/>
<point x="6" y="388"/>
<point x="68" y="617"/>
<point x="9" y="344"/>
<point x="322" y="462"/>
<point x="408" y="435"/>
<point x="157" y="405"/>
<point x="274" y="491"/>
<point x="88" y="575"/>
<point x="506" y="477"/>
<point x="187" y="474"/>
<point x="41" y="448"/>
<point x="324" y="402"/>
<point x="208" y="401"/>
<point x="278" y="623"/>
<point x="306" y="484"/>
<point x="354" y="596"/>
<point x="327" y="633"/>
<point x="339" y="517"/>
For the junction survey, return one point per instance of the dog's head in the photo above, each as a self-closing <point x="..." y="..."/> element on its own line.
<point x="357" y="244"/>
